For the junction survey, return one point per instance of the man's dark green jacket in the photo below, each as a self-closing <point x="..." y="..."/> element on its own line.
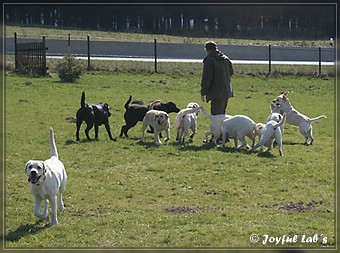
<point x="217" y="70"/>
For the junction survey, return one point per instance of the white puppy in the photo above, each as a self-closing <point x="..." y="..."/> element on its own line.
<point x="186" y="119"/>
<point x="275" y="114"/>
<point x="159" y="121"/>
<point x="269" y="133"/>
<point x="238" y="127"/>
<point x="47" y="181"/>
<point x="296" y="118"/>
<point x="215" y="125"/>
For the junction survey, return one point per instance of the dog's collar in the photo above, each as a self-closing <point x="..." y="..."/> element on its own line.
<point x="38" y="183"/>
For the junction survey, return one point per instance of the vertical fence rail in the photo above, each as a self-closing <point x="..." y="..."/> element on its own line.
<point x="319" y="60"/>
<point x="270" y="59"/>
<point x="88" y="53"/>
<point x="155" y="49"/>
<point x="44" y="48"/>
<point x="69" y="44"/>
<point x="15" y="52"/>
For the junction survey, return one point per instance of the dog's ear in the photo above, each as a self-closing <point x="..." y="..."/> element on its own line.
<point x="27" y="165"/>
<point x="285" y="94"/>
<point x="259" y="126"/>
<point x="155" y="116"/>
<point x="43" y="167"/>
<point x="106" y="106"/>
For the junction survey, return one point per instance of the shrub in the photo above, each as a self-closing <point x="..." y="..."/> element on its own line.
<point x="69" y="69"/>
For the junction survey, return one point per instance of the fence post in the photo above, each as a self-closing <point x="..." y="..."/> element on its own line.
<point x="319" y="60"/>
<point x="44" y="56"/>
<point x="15" y="51"/>
<point x="88" y="53"/>
<point x="155" y="48"/>
<point x="270" y="59"/>
<point x="69" y="44"/>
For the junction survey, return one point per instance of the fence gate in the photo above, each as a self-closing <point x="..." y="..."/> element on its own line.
<point x="30" y="57"/>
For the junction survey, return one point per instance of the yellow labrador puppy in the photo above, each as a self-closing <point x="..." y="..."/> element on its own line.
<point x="159" y="121"/>
<point x="216" y="122"/>
<point x="296" y="118"/>
<point x="269" y="133"/>
<point x="186" y="119"/>
<point x="238" y="127"/>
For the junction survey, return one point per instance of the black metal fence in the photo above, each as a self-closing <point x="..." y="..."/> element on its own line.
<point x="155" y="51"/>
<point x="30" y="57"/>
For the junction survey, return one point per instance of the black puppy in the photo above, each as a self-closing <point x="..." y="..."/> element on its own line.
<point x="136" y="112"/>
<point x="94" y="115"/>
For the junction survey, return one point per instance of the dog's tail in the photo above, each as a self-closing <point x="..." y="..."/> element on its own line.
<point x="312" y="120"/>
<point x="82" y="101"/>
<point x="180" y="116"/>
<point x="208" y="115"/>
<point x="53" y="147"/>
<point x="126" y="106"/>
<point x="191" y="110"/>
<point x="281" y="122"/>
<point x="153" y="103"/>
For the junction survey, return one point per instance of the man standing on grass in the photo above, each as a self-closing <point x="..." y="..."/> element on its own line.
<point x="216" y="85"/>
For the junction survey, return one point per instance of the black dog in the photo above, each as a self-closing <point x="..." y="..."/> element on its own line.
<point x="94" y="115"/>
<point x="136" y="112"/>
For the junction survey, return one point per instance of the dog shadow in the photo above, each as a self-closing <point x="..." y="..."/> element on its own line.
<point x="149" y="145"/>
<point x="266" y="155"/>
<point x="292" y="143"/>
<point x="71" y="142"/>
<point x="229" y="149"/>
<point x="192" y="147"/>
<point x="24" y="230"/>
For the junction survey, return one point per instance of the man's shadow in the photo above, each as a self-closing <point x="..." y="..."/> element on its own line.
<point x="24" y="230"/>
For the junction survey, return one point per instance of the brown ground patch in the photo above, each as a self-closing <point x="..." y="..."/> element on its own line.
<point x="299" y="206"/>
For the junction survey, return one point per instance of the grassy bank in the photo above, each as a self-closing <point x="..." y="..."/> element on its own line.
<point x="37" y="32"/>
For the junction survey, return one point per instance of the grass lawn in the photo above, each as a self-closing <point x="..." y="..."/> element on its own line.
<point x="131" y="194"/>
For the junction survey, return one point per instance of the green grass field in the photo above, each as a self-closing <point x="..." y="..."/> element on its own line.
<point x="136" y="195"/>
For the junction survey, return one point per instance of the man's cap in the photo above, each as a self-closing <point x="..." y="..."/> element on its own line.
<point x="210" y="45"/>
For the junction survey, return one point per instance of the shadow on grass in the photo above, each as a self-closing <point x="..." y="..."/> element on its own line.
<point x="188" y="146"/>
<point x="266" y="155"/>
<point x="246" y="152"/>
<point x="292" y="143"/>
<point x="71" y="142"/>
<point x="24" y="230"/>
<point x="234" y="150"/>
<point x="149" y="144"/>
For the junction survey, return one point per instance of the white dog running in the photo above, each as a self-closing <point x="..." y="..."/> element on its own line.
<point x="159" y="121"/>
<point x="186" y="119"/>
<point x="296" y="118"/>
<point x="238" y="127"/>
<point x="269" y="133"/>
<point x="47" y="182"/>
